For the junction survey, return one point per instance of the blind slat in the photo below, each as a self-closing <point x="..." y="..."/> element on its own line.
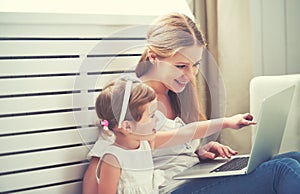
<point x="65" y="66"/>
<point x="40" y="122"/>
<point x="53" y="84"/>
<point x="19" y="162"/>
<point x="74" y="188"/>
<point x="70" y="47"/>
<point x="31" y="142"/>
<point x="39" y="66"/>
<point x="41" y="177"/>
<point x="59" y="31"/>
<point x="42" y="103"/>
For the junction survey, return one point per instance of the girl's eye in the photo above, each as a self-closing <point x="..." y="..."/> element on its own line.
<point x="152" y="116"/>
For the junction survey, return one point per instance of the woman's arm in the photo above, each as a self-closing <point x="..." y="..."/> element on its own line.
<point x="110" y="172"/>
<point x="197" y="130"/>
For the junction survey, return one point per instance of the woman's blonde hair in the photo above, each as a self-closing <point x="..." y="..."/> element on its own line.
<point x="165" y="37"/>
<point x="109" y="101"/>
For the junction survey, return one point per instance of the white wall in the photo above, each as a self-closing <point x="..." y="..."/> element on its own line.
<point x="276" y="32"/>
<point x="255" y="37"/>
<point x="235" y="52"/>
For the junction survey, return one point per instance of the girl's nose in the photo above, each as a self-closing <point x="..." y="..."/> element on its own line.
<point x="156" y="118"/>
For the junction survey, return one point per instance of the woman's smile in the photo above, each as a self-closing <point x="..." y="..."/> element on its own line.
<point x="181" y="83"/>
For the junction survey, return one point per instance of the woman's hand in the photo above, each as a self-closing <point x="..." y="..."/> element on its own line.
<point x="214" y="149"/>
<point x="238" y="121"/>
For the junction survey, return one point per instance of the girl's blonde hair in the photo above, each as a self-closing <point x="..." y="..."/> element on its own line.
<point x="109" y="101"/>
<point x="165" y="37"/>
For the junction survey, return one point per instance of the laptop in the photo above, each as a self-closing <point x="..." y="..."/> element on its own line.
<point x="269" y="131"/>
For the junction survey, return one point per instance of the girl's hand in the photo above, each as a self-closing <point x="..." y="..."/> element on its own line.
<point x="238" y="121"/>
<point x="214" y="149"/>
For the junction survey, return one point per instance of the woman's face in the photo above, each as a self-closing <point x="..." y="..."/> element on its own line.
<point x="177" y="71"/>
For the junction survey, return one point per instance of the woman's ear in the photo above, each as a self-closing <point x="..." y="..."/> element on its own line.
<point x="152" y="56"/>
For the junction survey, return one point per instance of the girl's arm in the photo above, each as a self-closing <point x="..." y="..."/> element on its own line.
<point x="110" y="172"/>
<point x="197" y="130"/>
<point x="89" y="184"/>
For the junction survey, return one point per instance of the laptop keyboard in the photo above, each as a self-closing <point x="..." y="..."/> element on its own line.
<point x="234" y="164"/>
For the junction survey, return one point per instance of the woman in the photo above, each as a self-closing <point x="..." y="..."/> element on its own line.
<point x="169" y="65"/>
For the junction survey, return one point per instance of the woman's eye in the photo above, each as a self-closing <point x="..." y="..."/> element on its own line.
<point x="180" y="66"/>
<point x="197" y="65"/>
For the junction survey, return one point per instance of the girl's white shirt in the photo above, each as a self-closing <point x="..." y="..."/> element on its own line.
<point x="171" y="160"/>
<point x="137" y="171"/>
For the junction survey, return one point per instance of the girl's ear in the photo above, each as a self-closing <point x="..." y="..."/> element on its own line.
<point x="152" y="56"/>
<point x="126" y="127"/>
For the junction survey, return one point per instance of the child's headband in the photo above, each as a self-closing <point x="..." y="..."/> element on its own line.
<point x="129" y="81"/>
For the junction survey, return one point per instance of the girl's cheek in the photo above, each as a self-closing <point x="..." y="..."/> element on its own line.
<point x="144" y="129"/>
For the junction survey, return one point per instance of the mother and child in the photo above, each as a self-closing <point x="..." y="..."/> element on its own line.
<point x="152" y="125"/>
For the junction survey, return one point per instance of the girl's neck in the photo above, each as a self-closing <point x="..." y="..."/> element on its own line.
<point x="126" y="142"/>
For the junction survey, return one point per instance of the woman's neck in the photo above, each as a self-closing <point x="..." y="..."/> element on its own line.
<point x="163" y="98"/>
<point x="159" y="88"/>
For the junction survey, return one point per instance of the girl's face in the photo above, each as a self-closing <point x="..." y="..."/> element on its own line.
<point x="177" y="71"/>
<point x="145" y="128"/>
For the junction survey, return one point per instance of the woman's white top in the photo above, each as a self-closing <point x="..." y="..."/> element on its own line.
<point x="175" y="159"/>
<point x="171" y="160"/>
<point x="137" y="171"/>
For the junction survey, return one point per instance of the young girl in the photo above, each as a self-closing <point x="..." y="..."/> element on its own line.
<point x="128" y="108"/>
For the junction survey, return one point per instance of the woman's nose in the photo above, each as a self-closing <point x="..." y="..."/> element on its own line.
<point x="189" y="73"/>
